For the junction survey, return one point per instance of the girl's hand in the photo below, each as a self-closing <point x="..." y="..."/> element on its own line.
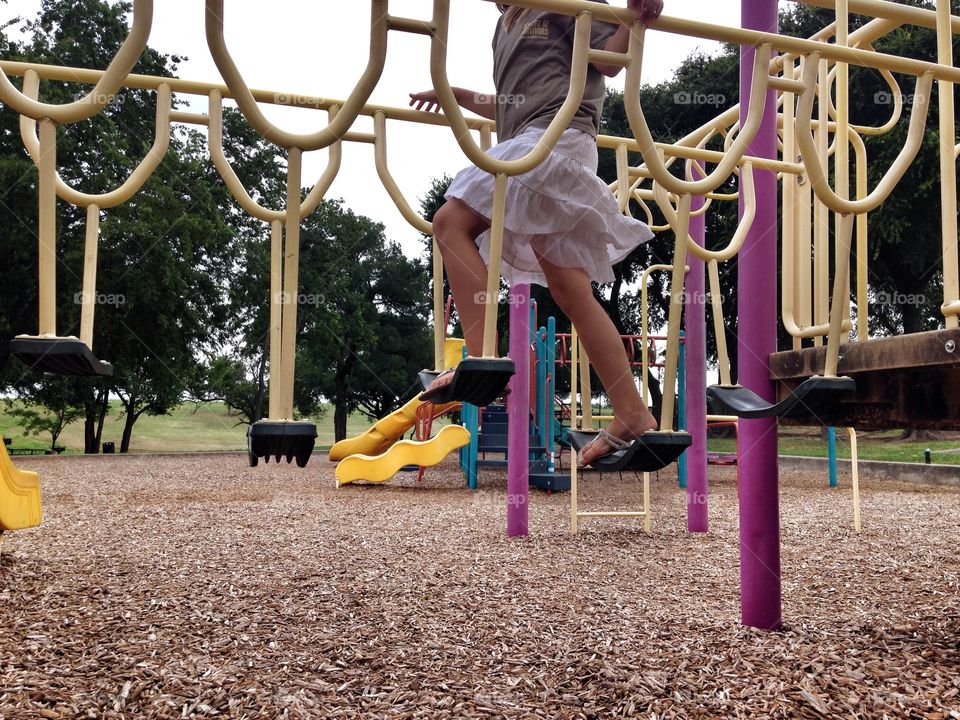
<point x="426" y="101"/>
<point x="647" y="10"/>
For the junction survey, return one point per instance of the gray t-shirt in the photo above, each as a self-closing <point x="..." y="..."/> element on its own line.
<point x="531" y="71"/>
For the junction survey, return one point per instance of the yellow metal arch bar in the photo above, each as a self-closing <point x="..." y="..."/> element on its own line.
<point x="226" y="171"/>
<point x="454" y="115"/>
<point x="379" y="27"/>
<point x="111" y="80"/>
<point x="255" y="209"/>
<point x="140" y="174"/>
<point x="677" y="281"/>
<point x="897" y="12"/>
<point x="638" y="124"/>
<point x="895" y="93"/>
<point x="644" y="321"/>
<point x="815" y="168"/>
<point x="746" y="222"/>
<point x="383" y="171"/>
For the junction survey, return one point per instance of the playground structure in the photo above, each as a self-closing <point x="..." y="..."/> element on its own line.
<point x="20" y="505"/>
<point x="783" y="80"/>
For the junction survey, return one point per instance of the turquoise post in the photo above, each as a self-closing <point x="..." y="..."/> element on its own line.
<point x="682" y="407"/>
<point x="543" y="417"/>
<point x="832" y="450"/>
<point x="470" y="415"/>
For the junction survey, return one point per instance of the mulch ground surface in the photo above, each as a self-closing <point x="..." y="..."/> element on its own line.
<point x="182" y="587"/>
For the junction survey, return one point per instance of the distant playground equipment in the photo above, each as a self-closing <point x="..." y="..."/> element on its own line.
<point x="20" y="506"/>
<point x="909" y="380"/>
<point x="380" y="448"/>
<point x="489" y="426"/>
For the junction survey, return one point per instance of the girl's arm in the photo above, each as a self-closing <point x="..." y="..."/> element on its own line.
<point x="647" y="11"/>
<point x="483" y="104"/>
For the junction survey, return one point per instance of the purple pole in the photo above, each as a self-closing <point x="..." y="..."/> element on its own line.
<point x="757" y="329"/>
<point x="696" y="378"/>
<point x="518" y="411"/>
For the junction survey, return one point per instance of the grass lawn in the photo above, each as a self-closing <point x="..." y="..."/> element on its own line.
<point x="877" y="445"/>
<point x="208" y="427"/>
<point x="189" y="428"/>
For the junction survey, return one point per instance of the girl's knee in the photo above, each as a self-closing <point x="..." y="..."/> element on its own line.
<point x="442" y="222"/>
<point x="453" y="221"/>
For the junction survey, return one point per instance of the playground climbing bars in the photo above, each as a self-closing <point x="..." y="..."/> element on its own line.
<point x="786" y="81"/>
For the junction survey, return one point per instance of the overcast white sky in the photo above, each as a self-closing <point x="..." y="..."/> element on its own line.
<point x="312" y="48"/>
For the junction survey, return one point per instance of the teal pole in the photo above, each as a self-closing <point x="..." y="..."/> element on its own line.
<point x="832" y="450"/>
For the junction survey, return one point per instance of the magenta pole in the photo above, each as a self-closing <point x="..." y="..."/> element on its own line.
<point x="757" y="330"/>
<point x="518" y="413"/>
<point x="695" y="333"/>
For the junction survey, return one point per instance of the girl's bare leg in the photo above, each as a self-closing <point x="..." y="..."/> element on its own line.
<point x="571" y="289"/>
<point x="456" y="228"/>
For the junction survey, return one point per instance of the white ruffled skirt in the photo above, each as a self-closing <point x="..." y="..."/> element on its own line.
<point x="561" y="209"/>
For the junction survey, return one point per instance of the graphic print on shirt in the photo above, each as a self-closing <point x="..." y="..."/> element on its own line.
<point x="536" y="29"/>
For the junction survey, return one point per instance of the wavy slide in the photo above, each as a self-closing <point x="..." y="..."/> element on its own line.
<point x="406" y="452"/>
<point x="19" y="495"/>
<point x="386" y="431"/>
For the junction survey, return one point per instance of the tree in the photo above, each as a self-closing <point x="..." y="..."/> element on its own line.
<point x="48" y="407"/>
<point x="359" y="297"/>
<point x="239" y="377"/>
<point x="163" y="256"/>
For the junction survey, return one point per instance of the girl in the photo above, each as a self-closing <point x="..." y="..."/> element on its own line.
<point x="563" y="228"/>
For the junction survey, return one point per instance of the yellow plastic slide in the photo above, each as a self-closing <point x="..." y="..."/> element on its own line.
<point x="386" y="431"/>
<point x="19" y="495"/>
<point x="406" y="452"/>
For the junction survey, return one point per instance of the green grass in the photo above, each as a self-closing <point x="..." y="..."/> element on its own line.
<point x="881" y="445"/>
<point x="189" y="428"/>
<point x="208" y="428"/>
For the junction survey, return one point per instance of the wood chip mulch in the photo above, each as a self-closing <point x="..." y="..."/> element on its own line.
<point x="196" y="587"/>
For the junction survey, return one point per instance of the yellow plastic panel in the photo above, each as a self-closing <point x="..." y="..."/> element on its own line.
<point x="406" y="452"/>
<point x="19" y="496"/>
<point x="385" y="432"/>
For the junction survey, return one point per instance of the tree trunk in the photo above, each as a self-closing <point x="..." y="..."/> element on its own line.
<point x="129" y="418"/>
<point x="344" y="370"/>
<point x="656" y="394"/>
<point x="90" y="445"/>
<point x="104" y="399"/>
<point x="912" y="317"/>
<point x="916" y="434"/>
<point x="96" y="413"/>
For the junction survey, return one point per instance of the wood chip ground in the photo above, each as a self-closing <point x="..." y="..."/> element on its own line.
<point x="196" y="587"/>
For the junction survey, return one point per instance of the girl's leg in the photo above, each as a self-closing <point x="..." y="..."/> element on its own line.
<point x="571" y="289"/>
<point x="456" y="228"/>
